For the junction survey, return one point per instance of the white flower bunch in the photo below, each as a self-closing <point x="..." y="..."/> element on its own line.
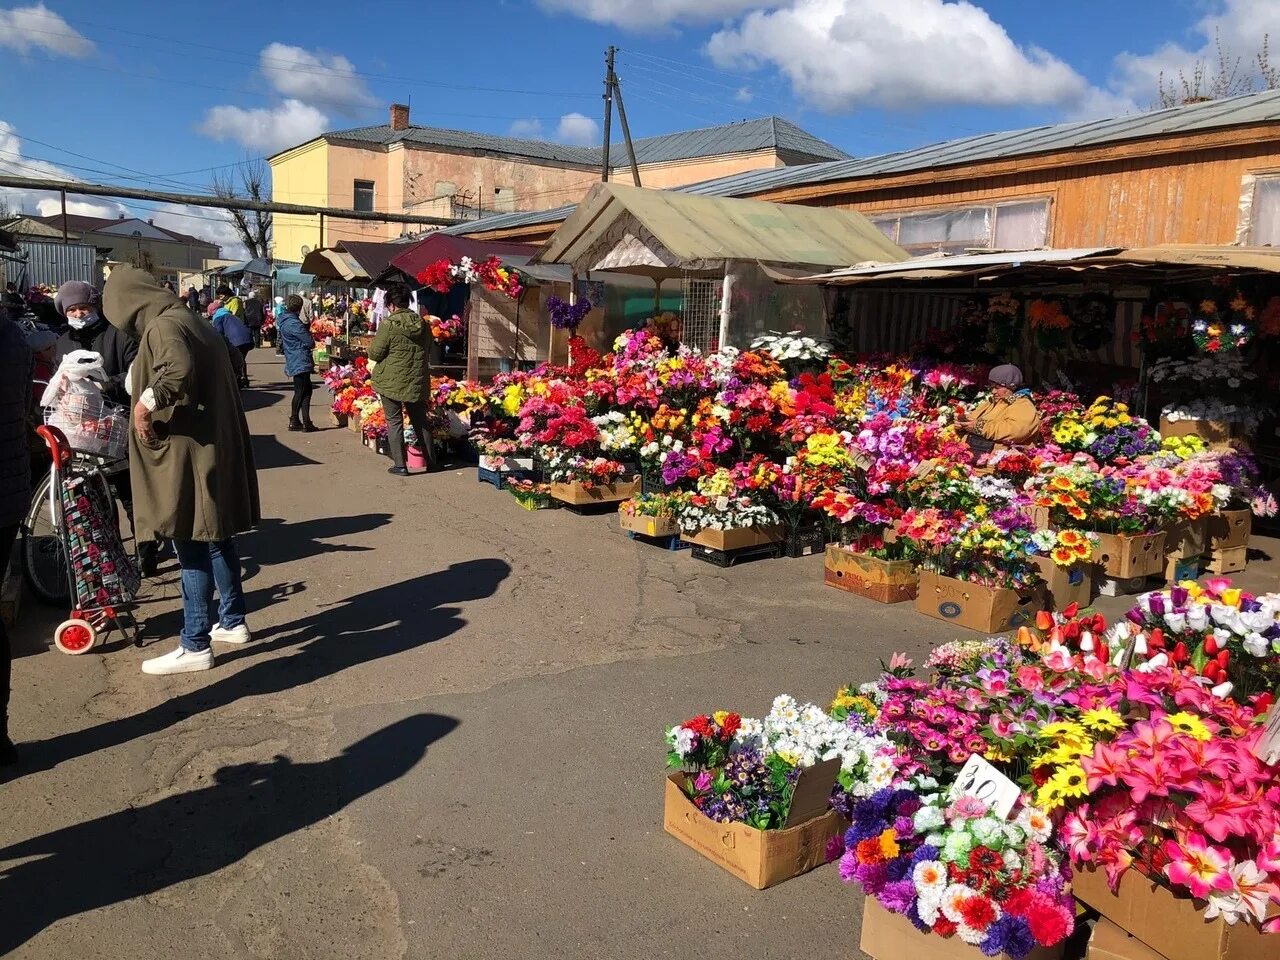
<point x="792" y="346"/>
<point x="720" y="364"/>
<point x="1214" y="409"/>
<point x="1229" y="369"/>
<point x="808" y="735"/>
<point x="993" y="488"/>
<point x="615" y="432"/>
<point x="725" y="513"/>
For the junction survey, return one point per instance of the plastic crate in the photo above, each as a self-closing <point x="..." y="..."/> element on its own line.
<point x="727" y="558"/>
<point x="805" y="541"/>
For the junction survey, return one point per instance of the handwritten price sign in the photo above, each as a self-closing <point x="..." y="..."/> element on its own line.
<point x="982" y="781"/>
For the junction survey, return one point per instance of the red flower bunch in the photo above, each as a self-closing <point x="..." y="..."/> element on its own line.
<point x="572" y="429"/>
<point x="438" y="276"/>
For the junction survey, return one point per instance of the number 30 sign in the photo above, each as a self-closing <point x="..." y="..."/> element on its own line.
<point x="982" y="781"/>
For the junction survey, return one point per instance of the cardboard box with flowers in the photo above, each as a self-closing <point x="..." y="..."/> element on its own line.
<point x="755" y="796"/>
<point x="653" y="515"/>
<point x="721" y="516"/>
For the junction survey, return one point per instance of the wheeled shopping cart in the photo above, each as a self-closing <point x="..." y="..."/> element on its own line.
<point x="102" y="579"/>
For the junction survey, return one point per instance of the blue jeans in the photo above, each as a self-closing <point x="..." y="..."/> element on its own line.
<point x="205" y="565"/>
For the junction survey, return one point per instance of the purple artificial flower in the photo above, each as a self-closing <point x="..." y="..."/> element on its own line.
<point x="914" y="916"/>
<point x="702" y="782"/>
<point x="872" y="876"/>
<point x="903" y="826"/>
<point x="1157" y="603"/>
<point x="848" y="867"/>
<point x="1179" y="596"/>
<point x="835" y="848"/>
<point x="898" y="896"/>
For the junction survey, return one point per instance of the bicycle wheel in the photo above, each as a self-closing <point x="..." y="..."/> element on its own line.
<point x="44" y="555"/>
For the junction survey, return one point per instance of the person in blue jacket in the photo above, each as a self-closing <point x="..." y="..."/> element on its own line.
<point x="239" y="341"/>
<point x="299" y="363"/>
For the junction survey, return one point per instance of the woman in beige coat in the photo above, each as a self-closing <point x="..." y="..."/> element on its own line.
<point x="190" y="457"/>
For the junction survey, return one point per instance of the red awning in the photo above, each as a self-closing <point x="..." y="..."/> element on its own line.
<point x="443" y="246"/>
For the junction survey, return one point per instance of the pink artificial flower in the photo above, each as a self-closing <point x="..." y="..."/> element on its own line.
<point x="1147" y="777"/>
<point x="1030" y="679"/>
<point x="1269" y="856"/>
<point x="1080" y="834"/>
<point x="1059" y="660"/>
<point x="1201" y="868"/>
<point x="1254" y="889"/>
<point x="1219" y="813"/>
<point x="966" y="808"/>
<point x="1107" y="765"/>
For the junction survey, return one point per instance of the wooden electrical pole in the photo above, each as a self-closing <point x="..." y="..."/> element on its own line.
<point x="626" y="130"/>
<point x="608" y="112"/>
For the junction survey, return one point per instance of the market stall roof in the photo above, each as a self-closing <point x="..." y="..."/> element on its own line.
<point x="257" y="266"/>
<point x="1166" y="263"/>
<point x="330" y="263"/>
<point x="661" y="233"/>
<point x="294" y="275"/>
<point x="440" y="246"/>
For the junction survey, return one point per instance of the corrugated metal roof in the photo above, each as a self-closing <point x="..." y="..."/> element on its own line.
<point x="1235" y="111"/>
<point x="743" y="137"/>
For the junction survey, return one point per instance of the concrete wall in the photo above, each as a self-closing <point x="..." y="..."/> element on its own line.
<point x="678" y="173"/>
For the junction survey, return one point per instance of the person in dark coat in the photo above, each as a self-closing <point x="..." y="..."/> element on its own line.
<point x="192" y="460"/>
<point x="87" y="329"/>
<point x="254" y="317"/>
<point x="299" y="361"/>
<point x="15" y="483"/>
<point x="193" y="299"/>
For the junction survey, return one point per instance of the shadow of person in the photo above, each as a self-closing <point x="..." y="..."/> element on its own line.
<point x="270" y="454"/>
<point x="276" y="541"/>
<point x="140" y="850"/>
<point x="369" y="626"/>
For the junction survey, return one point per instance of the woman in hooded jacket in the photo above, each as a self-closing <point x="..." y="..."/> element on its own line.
<point x="190" y="455"/>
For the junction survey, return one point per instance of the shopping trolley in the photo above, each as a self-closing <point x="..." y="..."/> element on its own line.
<point x="102" y="579"/>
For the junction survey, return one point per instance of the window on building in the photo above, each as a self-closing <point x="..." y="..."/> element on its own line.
<point x="1264" y="220"/>
<point x="363" y="196"/>
<point x="1021" y="225"/>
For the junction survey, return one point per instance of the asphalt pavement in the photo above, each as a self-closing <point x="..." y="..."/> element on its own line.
<point x="444" y="742"/>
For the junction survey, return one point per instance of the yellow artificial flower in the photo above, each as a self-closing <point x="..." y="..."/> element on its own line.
<point x="1103" y="720"/>
<point x="1063" y="730"/>
<point x="1189" y="724"/>
<point x="1049" y="795"/>
<point x="1071" y="781"/>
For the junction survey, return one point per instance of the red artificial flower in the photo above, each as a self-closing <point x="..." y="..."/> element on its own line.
<point x="978" y="913"/>
<point x="869" y="851"/>
<point x="730" y="726"/>
<point x="701" y="725"/>
<point x="985" y="860"/>
<point x="1048" y="925"/>
<point x="944" y="927"/>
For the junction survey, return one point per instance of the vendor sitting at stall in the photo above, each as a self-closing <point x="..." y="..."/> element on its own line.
<point x="1009" y="416"/>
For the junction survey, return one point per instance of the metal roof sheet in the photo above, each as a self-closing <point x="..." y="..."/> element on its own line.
<point x="741" y="137"/>
<point x="1235" y="111"/>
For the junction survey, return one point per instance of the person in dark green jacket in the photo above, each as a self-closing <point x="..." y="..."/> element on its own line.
<point x="402" y="377"/>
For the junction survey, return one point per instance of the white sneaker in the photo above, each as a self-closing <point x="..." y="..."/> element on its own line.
<point x="179" y="661"/>
<point x="221" y="634"/>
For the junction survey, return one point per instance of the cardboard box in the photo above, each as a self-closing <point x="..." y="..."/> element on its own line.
<point x="1230" y="528"/>
<point x="1174" y="928"/>
<point x="1117" y="587"/>
<point x="1186" y="539"/>
<point x="1123" y="556"/>
<point x="890" y="936"/>
<point x="885" y="581"/>
<point x="736" y="539"/>
<point x="1066" y="585"/>
<point x="1040" y="518"/>
<point x="978" y="607"/>
<point x="1109" y="942"/>
<point x="649" y="526"/>
<point x="1217" y="434"/>
<point x="1230" y="560"/>
<point x="577" y="495"/>
<point x="762" y="858"/>
<point x="1177" y="569"/>
<point x="353" y="422"/>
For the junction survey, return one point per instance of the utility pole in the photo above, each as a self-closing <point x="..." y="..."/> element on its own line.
<point x="608" y="111"/>
<point x="612" y="88"/>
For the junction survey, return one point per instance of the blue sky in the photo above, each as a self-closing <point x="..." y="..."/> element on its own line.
<point x="138" y="93"/>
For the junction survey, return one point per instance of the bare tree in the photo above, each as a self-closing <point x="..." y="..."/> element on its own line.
<point x="249" y="181"/>
<point x="1226" y="78"/>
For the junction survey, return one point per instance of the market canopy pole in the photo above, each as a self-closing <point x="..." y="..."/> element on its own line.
<point x="204" y="200"/>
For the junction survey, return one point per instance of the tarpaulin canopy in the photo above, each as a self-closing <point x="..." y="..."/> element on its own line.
<point x="662" y="233"/>
<point x="441" y="246"/>
<point x="331" y="263"/>
<point x="1167" y="264"/>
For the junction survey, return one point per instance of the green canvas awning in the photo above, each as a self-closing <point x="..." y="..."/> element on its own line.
<point x="662" y="233"/>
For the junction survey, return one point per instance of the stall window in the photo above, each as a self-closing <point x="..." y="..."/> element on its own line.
<point x="1264" y="227"/>
<point x="363" y="196"/>
<point x="1021" y="225"/>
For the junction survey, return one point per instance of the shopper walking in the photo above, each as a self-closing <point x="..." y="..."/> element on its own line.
<point x="254" y="317"/>
<point x="299" y="361"/>
<point x="15" y="483"/>
<point x="192" y="463"/>
<point x="238" y="339"/>
<point x="400" y="375"/>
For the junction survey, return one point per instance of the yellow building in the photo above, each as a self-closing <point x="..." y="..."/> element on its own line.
<point x="401" y="168"/>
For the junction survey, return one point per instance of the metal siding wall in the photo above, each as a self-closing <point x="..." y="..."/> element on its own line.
<point x="56" y="263"/>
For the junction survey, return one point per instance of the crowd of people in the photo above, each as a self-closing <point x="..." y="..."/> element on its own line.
<point x="177" y="363"/>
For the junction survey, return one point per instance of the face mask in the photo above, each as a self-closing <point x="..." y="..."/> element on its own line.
<point x="86" y="320"/>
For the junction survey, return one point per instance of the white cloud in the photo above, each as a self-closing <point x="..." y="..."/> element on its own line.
<point x="207" y="223"/>
<point x="317" y="79"/>
<point x="844" y="54"/>
<point x="268" y="129"/>
<point x="15" y="163"/>
<point x="578" y="129"/>
<point x="1240" y="24"/>
<point x="529" y="129"/>
<point x="648" y="15"/>
<point x="37" y="27"/>
<point x="744" y="95"/>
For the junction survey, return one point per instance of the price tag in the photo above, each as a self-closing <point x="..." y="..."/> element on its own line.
<point x="1268" y="748"/>
<point x="982" y="781"/>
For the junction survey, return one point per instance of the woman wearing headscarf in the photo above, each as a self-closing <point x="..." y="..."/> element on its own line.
<point x="1008" y="416"/>
<point x="87" y="329"/>
<point x="189" y="451"/>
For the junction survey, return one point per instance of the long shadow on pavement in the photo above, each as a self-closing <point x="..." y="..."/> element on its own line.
<point x="140" y="850"/>
<point x="276" y="541"/>
<point x="369" y="626"/>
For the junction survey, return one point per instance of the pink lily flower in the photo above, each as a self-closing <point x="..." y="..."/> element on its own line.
<point x="1220" y="814"/>
<point x="1148" y="777"/>
<point x="1201" y="868"/>
<point x="1107" y="765"/>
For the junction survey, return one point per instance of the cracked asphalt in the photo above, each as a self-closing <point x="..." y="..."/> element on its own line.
<point x="445" y="741"/>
